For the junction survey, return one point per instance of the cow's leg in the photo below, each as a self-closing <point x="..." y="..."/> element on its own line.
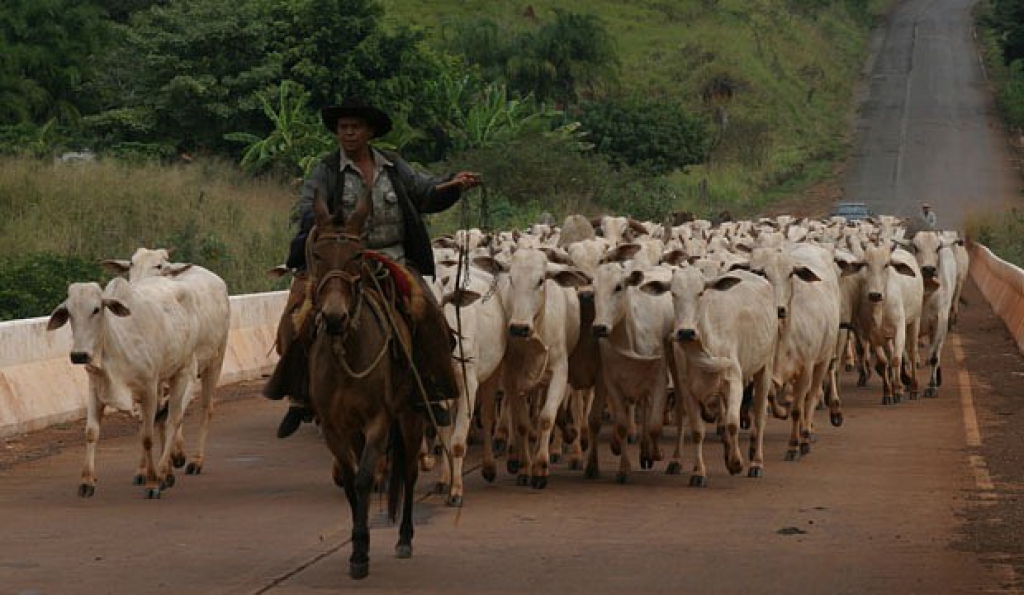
<point x="179" y="386"/>
<point x="732" y="391"/>
<point x="520" y="455"/>
<point x="863" y="361"/>
<point x="93" y="419"/>
<point x="594" y="420"/>
<point x="699" y="475"/>
<point x="488" y="400"/>
<point x="675" y="464"/>
<point x="759" y="408"/>
<point x="553" y="399"/>
<point x="913" y="353"/>
<point x="835" y="404"/>
<point x="463" y="420"/>
<point x="578" y="409"/>
<point x="896" y="361"/>
<point x="208" y="379"/>
<point x="883" y="368"/>
<point x="815" y="392"/>
<point x="935" y="355"/>
<point x="147" y="400"/>
<point x="655" y="416"/>
<point x="801" y="388"/>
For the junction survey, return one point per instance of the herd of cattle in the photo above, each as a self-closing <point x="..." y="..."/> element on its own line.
<point x="561" y="329"/>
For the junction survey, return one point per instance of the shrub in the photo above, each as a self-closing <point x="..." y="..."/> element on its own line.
<point x="33" y="284"/>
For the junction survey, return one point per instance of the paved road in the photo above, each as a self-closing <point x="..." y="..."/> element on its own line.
<point x="926" y="130"/>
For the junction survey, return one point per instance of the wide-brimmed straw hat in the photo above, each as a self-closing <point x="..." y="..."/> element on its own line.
<point x="356" y="107"/>
<point x="925" y="205"/>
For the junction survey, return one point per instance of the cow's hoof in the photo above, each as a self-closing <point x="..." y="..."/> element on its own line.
<point x="897" y="398"/>
<point x="914" y="395"/>
<point x="499" y="445"/>
<point x="698" y="481"/>
<point x="793" y="455"/>
<point x="489" y="474"/>
<point x="454" y="501"/>
<point x="616" y="446"/>
<point x="86" y="491"/>
<point x="522" y="480"/>
<point x="193" y="469"/>
<point x="168" y="482"/>
<point x="512" y="466"/>
<point x="358" y="570"/>
<point x="622" y="478"/>
<point x="646" y="463"/>
<point x="674" y="468"/>
<point x="139" y="480"/>
<point x="575" y="464"/>
<point x="555" y="458"/>
<point x="755" y="472"/>
<point x="584" y="443"/>
<point x="178" y="460"/>
<point x="591" y="472"/>
<point x="539" y="482"/>
<point x="836" y="419"/>
<point x="403" y="551"/>
<point x="931" y="392"/>
<point x="744" y="423"/>
<point x="887" y="401"/>
<point x="152" y="493"/>
<point x="441" y="488"/>
<point x="848" y="368"/>
<point x="862" y="380"/>
<point x="805" y="448"/>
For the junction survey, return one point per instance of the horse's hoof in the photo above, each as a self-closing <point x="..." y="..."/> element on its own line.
<point x="522" y="480"/>
<point x="152" y="493"/>
<point x="513" y="466"/>
<point x="359" y="570"/>
<point x="489" y="474"/>
<point x="591" y="472"/>
<point x="555" y="458"/>
<point x="755" y="472"/>
<point x="698" y="481"/>
<point x="454" y="501"/>
<point x="836" y="419"/>
<point x="539" y="482"/>
<point x="805" y="448"/>
<point x="193" y="469"/>
<point x="931" y="392"/>
<point x="674" y="468"/>
<point x="621" y="478"/>
<point x="792" y="455"/>
<point x="86" y="490"/>
<point x="178" y="460"/>
<point x="139" y="480"/>
<point x="168" y="482"/>
<point x="403" y="551"/>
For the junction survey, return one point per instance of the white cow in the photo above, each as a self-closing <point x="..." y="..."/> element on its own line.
<point x="212" y="310"/>
<point x="544" y="322"/>
<point x="724" y="337"/>
<point x="132" y="338"/>
<point x="939" y="273"/>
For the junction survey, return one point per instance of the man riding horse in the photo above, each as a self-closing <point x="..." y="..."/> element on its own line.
<point x="358" y="175"/>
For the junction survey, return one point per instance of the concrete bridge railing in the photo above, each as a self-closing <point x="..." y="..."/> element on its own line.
<point x="1002" y="284"/>
<point x="39" y="385"/>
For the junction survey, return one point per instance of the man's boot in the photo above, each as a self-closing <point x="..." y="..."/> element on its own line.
<point x="290" y="376"/>
<point x="432" y="356"/>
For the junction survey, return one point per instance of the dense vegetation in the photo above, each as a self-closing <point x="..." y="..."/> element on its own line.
<point x="637" y="107"/>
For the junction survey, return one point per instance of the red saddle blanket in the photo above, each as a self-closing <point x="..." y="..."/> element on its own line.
<point x="404" y="281"/>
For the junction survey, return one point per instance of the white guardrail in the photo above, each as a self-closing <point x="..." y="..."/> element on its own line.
<point x="1002" y="284"/>
<point x="39" y="385"/>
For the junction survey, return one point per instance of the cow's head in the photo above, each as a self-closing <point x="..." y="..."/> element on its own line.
<point x="778" y="267"/>
<point x="879" y="263"/>
<point x="86" y="309"/>
<point x="529" y="274"/>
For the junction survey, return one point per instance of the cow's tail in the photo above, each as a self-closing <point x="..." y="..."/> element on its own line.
<point x="399" y="462"/>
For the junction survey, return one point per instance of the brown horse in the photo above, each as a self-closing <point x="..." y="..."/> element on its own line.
<point x="359" y="380"/>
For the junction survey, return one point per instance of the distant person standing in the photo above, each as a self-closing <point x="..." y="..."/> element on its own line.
<point x="929" y="216"/>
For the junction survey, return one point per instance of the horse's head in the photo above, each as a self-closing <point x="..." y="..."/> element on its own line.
<point x="335" y="257"/>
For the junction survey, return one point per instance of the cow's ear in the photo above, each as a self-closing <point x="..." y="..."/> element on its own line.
<point x="461" y="298"/>
<point x="656" y="287"/>
<point x="116" y="307"/>
<point x="806" y="274"/>
<point x="118" y="267"/>
<point x="557" y="256"/>
<point x="175" y="269"/>
<point x="58" y="318"/>
<point x="692" y="259"/>
<point x="743" y="248"/>
<point x="959" y="242"/>
<point x="490" y="264"/>
<point x="724" y="283"/>
<point x="903" y="268"/>
<point x="850" y="268"/>
<point x="445" y="242"/>
<point x="635" y="278"/>
<point x="739" y="266"/>
<point x="673" y="257"/>
<point x="620" y="253"/>
<point x="569" y="277"/>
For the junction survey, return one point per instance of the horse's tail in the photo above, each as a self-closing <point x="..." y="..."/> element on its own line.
<point x="399" y="462"/>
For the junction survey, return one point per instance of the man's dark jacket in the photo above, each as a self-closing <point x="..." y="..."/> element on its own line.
<point x="416" y="194"/>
